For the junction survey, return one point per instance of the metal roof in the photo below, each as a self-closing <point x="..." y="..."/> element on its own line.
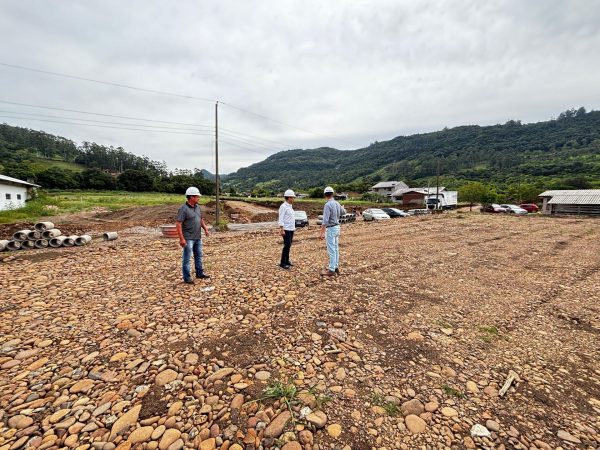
<point x="572" y="199"/>
<point x="16" y="181"/>
<point x="421" y="190"/>
<point x="389" y="184"/>
<point x="570" y="192"/>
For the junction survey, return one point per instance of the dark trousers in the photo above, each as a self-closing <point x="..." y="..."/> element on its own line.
<point x="287" y="244"/>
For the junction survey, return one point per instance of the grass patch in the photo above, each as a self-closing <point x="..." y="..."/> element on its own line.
<point x="390" y="408"/>
<point x="320" y="399"/>
<point x="452" y="392"/>
<point x="286" y="392"/>
<point x="489" y="333"/>
<point x="41" y="164"/>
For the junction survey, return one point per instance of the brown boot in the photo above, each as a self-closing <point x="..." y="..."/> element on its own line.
<point x="327" y="273"/>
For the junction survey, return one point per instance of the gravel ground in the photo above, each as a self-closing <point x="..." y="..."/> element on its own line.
<point x="103" y="347"/>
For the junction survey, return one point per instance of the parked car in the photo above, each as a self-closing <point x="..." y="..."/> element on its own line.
<point x="530" y="207"/>
<point x="301" y="218"/>
<point x="493" y="208"/>
<point x="374" y="214"/>
<point x="514" y="209"/>
<point x="394" y="212"/>
<point x="346" y="218"/>
<point x="418" y="212"/>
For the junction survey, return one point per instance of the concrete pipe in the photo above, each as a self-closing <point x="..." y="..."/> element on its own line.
<point x="13" y="245"/>
<point x="34" y="235"/>
<point x="3" y="244"/>
<point x="110" y="236"/>
<point x="70" y="241"/>
<point x="27" y="245"/>
<point x="41" y="243"/>
<point x="57" y="241"/>
<point x="43" y="226"/>
<point x="83" y="240"/>
<point x="21" y="235"/>
<point x="49" y="234"/>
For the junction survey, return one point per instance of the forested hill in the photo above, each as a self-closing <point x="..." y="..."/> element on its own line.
<point x="57" y="162"/>
<point x="557" y="153"/>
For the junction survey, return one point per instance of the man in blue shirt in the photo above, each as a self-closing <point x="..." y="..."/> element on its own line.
<point x="190" y="224"/>
<point x="330" y="230"/>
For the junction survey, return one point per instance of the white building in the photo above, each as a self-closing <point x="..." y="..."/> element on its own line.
<point x="14" y="192"/>
<point x="387" y="187"/>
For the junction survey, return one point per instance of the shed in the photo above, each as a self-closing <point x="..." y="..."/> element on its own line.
<point x="14" y="192"/>
<point x="411" y="197"/>
<point x="571" y="202"/>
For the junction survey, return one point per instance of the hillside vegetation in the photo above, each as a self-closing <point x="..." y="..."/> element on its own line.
<point x="57" y="162"/>
<point x="559" y="153"/>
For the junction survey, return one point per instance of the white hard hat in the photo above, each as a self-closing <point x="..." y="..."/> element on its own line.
<point x="192" y="191"/>
<point x="328" y="190"/>
<point x="289" y="193"/>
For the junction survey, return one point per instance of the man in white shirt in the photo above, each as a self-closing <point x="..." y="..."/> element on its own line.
<point x="287" y="226"/>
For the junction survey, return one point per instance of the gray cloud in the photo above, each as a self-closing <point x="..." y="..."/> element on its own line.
<point x="350" y="71"/>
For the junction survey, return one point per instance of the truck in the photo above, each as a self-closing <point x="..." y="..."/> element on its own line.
<point x="445" y="200"/>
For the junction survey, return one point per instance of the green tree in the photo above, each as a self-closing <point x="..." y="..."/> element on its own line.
<point x="373" y="197"/>
<point x="136" y="181"/>
<point x="315" y="192"/>
<point x="96" y="179"/>
<point x="523" y="193"/>
<point x="476" y="192"/>
<point x="56" y="178"/>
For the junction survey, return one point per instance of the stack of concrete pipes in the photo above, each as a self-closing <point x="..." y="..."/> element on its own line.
<point x="43" y="235"/>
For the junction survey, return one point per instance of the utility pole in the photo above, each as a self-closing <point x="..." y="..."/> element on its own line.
<point x="437" y="189"/>
<point x="217" y="212"/>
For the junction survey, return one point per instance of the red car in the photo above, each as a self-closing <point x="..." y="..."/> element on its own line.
<point x="530" y="207"/>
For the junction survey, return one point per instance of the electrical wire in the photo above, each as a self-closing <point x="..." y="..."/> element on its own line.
<point x="241" y="146"/>
<point x="98" y="121"/>
<point x="154" y="91"/>
<point x="104" y="115"/>
<point x="270" y="119"/>
<point x="108" y="126"/>
<point x="143" y="130"/>
<point x="109" y="83"/>
<point x="209" y="127"/>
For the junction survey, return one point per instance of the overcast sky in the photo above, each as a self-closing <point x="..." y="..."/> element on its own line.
<point x="347" y="72"/>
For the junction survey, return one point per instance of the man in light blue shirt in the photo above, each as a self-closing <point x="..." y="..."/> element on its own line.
<point x="330" y="229"/>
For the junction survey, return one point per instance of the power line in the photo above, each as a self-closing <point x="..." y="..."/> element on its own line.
<point x="270" y="119"/>
<point x="150" y="127"/>
<point x="154" y="91"/>
<point x="209" y="127"/>
<point x="104" y="115"/>
<point x="97" y="121"/>
<point x="136" y="129"/>
<point x="108" y="83"/>
<point x="241" y="146"/>
<point x="107" y="126"/>
<point x="248" y="141"/>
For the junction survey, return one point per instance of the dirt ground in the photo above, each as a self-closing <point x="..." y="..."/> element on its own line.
<point x="406" y="349"/>
<point x="100" y="220"/>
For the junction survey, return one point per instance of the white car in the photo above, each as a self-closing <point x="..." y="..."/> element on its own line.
<point x="514" y="209"/>
<point x="374" y="214"/>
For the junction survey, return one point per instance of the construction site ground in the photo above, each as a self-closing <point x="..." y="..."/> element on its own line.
<point x="103" y="347"/>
